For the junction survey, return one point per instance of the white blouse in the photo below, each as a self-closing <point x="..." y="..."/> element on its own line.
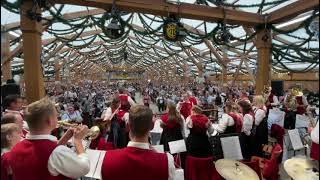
<point x="259" y="115"/>
<point x="247" y="124"/>
<point x="224" y="122"/>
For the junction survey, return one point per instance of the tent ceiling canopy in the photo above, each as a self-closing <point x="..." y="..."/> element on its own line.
<point x="217" y="34"/>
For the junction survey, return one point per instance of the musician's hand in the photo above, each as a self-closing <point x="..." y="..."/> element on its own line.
<point x="69" y="132"/>
<point x="310" y="129"/>
<point x="80" y="132"/>
<point x="66" y="136"/>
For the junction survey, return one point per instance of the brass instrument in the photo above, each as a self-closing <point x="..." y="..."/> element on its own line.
<point x="108" y="123"/>
<point x="296" y="91"/>
<point x="93" y="133"/>
<point x="291" y="102"/>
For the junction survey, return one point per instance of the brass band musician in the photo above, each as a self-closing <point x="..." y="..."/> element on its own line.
<point x="295" y="103"/>
<point x="271" y="99"/>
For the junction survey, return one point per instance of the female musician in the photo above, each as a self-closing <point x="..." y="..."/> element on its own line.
<point x="173" y="126"/>
<point x="261" y="134"/>
<point x="248" y="122"/>
<point x="227" y="124"/>
<point x="10" y="136"/>
<point x="198" y="144"/>
<point x="185" y="106"/>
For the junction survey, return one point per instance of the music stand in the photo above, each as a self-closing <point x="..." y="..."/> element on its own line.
<point x="215" y="142"/>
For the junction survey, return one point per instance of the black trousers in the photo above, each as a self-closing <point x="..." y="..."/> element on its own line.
<point x="161" y="107"/>
<point x="290" y="120"/>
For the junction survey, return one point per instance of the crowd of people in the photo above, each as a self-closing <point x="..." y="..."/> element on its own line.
<point x="35" y="146"/>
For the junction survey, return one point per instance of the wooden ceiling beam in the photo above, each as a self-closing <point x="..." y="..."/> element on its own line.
<point x="185" y="10"/>
<point x="292" y="10"/>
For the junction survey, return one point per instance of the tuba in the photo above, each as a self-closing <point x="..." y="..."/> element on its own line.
<point x="291" y="101"/>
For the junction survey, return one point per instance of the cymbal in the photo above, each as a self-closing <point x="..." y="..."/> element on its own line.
<point x="235" y="170"/>
<point x="300" y="168"/>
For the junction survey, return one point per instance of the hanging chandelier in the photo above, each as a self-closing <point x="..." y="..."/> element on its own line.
<point x="115" y="29"/>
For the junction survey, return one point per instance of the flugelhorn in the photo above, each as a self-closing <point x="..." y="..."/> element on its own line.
<point x="93" y="133"/>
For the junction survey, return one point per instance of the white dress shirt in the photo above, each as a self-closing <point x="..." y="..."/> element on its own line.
<point x="247" y="124"/>
<point x="224" y="122"/>
<point x="315" y="134"/>
<point x="259" y="114"/>
<point x="65" y="161"/>
<point x="171" y="166"/>
<point x="106" y="114"/>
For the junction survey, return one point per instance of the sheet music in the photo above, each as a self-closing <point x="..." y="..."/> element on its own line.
<point x="96" y="159"/>
<point x="97" y="173"/>
<point x="177" y="146"/>
<point x="275" y="117"/>
<point x="295" y="139"/>
<point x="231" y="148"/>
<point x="159" y="148"/>
<point x="156" y="128"/>
<point x="302" y="121"/>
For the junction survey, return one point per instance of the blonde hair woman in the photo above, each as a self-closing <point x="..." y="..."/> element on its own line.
<point x="261" y="134"/>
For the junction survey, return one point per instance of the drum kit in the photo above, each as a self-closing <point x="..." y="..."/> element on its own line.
<point x="235" y="170"/>
<point x="301" y="168"/>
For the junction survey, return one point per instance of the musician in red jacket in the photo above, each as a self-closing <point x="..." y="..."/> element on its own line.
<point x="271" y="99"/>
<point x="125" y="99"/>
<point x="40" y="156"/>
<point x="138" y="159"/>
<point x="185" y="106"/>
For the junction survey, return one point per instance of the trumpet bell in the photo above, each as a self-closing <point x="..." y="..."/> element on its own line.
<point x="94" y="132"/>
<point x="297" y="92"/>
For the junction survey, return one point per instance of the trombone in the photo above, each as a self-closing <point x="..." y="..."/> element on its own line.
<point x="93" y="133"/>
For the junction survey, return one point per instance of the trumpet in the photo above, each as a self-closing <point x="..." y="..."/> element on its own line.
<point x="93" y="133"/>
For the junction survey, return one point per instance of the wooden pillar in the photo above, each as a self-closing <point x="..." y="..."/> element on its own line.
<point x="263" y="43"/>
<point x="31" y="35"/>
<point x="224" y="68"/>
<point x="57" y="69"/>
<point x="5" y="52"/>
